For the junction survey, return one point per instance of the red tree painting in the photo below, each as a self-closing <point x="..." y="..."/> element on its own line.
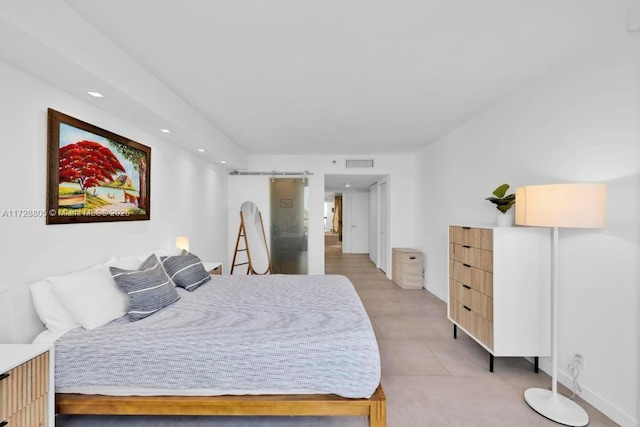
<point x="88" y="163"/>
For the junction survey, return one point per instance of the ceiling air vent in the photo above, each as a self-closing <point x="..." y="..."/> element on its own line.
<point x="359" y="163"/>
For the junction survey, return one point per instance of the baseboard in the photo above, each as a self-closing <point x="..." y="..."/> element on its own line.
<point x="593" y="398"/>
<point x="433" y="291"/>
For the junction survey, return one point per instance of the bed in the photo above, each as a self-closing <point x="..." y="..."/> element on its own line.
<point x="238" y="345"/>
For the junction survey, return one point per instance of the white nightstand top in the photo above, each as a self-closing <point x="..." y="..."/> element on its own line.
<point x="211" y="265"/>
<point x="12" y="355"/>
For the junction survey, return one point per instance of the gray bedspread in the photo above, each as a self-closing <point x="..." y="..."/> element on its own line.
<point x="235" y="334"/>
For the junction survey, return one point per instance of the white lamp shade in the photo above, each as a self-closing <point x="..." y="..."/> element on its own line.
<point x="182" y="243"/>
<point x="562" y="205"/>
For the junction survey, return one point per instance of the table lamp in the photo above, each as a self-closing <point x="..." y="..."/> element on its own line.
<point x="182" y="243"/>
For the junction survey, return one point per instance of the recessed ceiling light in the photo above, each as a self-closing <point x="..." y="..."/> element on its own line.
<point x="347" y="185"/>
<point x="165" y="131"/>
<point x="223" y="161"/>
<point x="95" y="94"/>
<point x="202" y="150"/>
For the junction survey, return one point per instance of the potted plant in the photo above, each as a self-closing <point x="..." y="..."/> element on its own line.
<point x="503" y="202"/>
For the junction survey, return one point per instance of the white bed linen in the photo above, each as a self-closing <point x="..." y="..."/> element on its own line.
<point x="234" y="335"/>
<point x="48" y="337"/>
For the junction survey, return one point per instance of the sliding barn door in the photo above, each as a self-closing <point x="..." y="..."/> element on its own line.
<point x="289" y="225"/>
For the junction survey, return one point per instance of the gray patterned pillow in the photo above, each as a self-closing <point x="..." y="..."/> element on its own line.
<point x="149" y="288"/>
<point x="186" y="270"/>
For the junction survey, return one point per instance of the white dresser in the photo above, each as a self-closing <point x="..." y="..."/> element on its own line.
<point x="500" y="288"/>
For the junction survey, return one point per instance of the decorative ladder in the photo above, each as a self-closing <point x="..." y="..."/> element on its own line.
<point x="242" y="233"/>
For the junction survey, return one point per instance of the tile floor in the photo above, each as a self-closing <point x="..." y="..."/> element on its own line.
<point x="429" y="378"/>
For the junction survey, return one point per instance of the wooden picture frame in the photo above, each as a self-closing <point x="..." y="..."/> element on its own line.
<point x="94" y="175"/>
<point x="286" y="203"/>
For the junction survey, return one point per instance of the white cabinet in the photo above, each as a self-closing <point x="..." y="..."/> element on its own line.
<point x="500" y="288"/>
<point x="213" y="267"/>
<point x="26" y="385"/>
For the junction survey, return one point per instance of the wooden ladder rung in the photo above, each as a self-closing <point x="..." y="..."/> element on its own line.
<point x="244" y="263"/>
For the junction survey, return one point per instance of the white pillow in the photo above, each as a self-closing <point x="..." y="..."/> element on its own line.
<point x="91" y="296"/>
<point x="162" y="251"/>
<point x="170" y="251"/>
<point x="125" y="263"/>
<point x="49" y="308"/>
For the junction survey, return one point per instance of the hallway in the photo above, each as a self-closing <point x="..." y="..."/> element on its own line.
<point x="429" y="378"/>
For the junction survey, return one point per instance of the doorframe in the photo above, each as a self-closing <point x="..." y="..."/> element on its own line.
<point x="384" y="245"/>
<point x="374" y="224"/>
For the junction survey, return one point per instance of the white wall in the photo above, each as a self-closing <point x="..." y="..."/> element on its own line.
<point x="188" y="195"/>
<point x="579" y="124"/>
<point x="400" y="168"/>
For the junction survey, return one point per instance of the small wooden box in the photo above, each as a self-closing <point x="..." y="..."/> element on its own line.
<point x="407" y="268"/>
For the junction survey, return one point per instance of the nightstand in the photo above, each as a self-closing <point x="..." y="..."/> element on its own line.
<point x="26" y="385"/>
<point x="213" y="267"/>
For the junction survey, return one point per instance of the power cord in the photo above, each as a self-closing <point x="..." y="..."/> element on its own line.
<point x="574" y="369"/>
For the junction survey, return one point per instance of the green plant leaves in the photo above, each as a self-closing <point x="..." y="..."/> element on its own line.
<point x="502" y="202"/>
<point x="501" y="190"/>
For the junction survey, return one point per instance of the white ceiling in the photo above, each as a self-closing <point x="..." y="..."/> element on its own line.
<point x="307" y="77"/>
<point x="338" y="183"/>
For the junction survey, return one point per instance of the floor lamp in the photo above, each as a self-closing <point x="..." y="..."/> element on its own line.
<point x="559" y="206"/>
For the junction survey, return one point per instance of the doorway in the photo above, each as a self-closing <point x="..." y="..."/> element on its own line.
<point x="333" y="221"/>
<point x="362" y="212"/>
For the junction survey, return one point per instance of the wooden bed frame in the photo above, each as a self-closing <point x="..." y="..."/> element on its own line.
<point x="266" y="405"/>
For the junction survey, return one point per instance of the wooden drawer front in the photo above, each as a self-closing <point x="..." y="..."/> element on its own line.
<point x="32" y="415"/>
<point x="481" y="238"/>
<point x="459" y="293"/>
<point x="25" y="385"/>
<point x="480" y="280"/>
<point x="475" y="324"/>
<point x="474" y="257"/>
<point x="454" y="310"/>
<point x="482" y="329"/>
<point x="481" y="304"/>
<point x="460" y="314"/>
<point x="478" y="302"/>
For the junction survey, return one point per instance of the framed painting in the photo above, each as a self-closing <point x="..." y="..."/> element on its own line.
<point x="94" y="175"/>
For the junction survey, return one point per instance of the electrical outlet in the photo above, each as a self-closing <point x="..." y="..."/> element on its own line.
<point x="578" y="360"/>
<point x="423" y="272"/>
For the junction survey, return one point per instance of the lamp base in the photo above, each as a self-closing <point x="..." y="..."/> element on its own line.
<point x="556" y="407"/>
